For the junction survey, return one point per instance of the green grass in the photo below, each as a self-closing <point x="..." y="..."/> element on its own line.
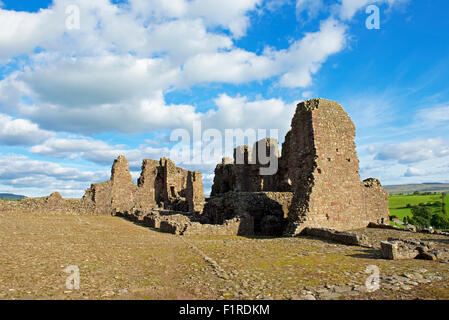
<point x="398" y="203"/>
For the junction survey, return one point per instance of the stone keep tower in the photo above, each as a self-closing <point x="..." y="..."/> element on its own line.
<point x="323" y="165"/>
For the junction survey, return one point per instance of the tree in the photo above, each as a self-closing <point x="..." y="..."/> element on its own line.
<point x="440" y="221"/>
<point x="443" y="203"/>
<point x="421" y="216"/>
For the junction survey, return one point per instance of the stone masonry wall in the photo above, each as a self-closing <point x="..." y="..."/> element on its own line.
<point x="51" y="204"/>
<point x="123" y="189"/>
<point x="194" y="191"/>
<point x="160" y="184"/>
<point x="375" y="201"/>
<point x="319" y="164"/>
<point x="268" y="209"/>
<point x="245" y="176"/>
<point x="147" y="182"/>
<point x="324" y="167"/>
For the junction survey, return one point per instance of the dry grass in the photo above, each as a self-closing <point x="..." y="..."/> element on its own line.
<point x="120" y="260"/>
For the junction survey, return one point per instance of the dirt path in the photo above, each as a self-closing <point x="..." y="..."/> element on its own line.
<point x="120" y="260"/>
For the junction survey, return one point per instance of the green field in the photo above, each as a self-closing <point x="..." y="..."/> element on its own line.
<point x="398" y="203"/>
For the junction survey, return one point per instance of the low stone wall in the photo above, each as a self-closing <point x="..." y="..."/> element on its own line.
<point x="182" y="224"/>
<point x="346" y="238"/>
<point x="51" y="204"/>
<point x="409" y="228"/>
<point x="243" y="225"/>
<point x="269" y="210"/>
<point x="404" y="249"/>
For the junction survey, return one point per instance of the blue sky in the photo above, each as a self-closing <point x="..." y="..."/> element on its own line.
<point x="73" y="99"/>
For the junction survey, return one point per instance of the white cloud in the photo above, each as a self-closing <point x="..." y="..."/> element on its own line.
<point x="296" y="65"/>
<point x="311" y="7"/>
<point x="413" y="151"/>
<point x="20" y="132"/>
<point x="86" y="81"/>
<point x="133" y="117"/>
<point x="181" y="39"/>
<point x="21" y="32"/>
<point x="236" y="66"/>
<point x="305" y="57"/>
<point x="37" y="178"/>
<point x="96" y="151"/>
<point x="415" y="172"/>
<point x="121" y="28"/>
<point x="437" y="114"/>
<point x="230" y="14"/>
<point x="307" y="94"/>
<point x="239" y="112"/>
<point x="349" y="8"/>
<point x="370" y="111"/>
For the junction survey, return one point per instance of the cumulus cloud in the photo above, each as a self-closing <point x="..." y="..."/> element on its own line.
<point x="236" y="66"/>
<point x="137" y="26"/>
<point x="305" y="57"/>
<point x="147" y="115"/>
<point x="311" y="7"/>
<point x="38" y="178"/>
<point x="111" y="75"/>
<point x="21" y="132"/>
<point x="230" y="113"/>
<point x="240" y="112"/>
<point x="348" y="8"/>
<point x="231" y="14"/>
<point x="414" y="151"/>
<point x="87" y="81"/>
<point x="296" y="65"/>
<point x="96" y="151"/>
<point x="415" y="172"/>
<point x="99" y="79"/>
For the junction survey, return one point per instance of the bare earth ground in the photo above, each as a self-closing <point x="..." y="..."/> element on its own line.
<point x="121" y="260"/>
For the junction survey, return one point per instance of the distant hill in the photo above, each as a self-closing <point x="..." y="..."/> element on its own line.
<point x="11" y="196"/>
<point x="423" y="187"/>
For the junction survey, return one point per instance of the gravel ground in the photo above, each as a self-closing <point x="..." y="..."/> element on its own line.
<point x="121" y="260"/>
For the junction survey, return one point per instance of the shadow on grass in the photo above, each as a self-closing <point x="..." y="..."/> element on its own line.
<point x="367" y="254"/>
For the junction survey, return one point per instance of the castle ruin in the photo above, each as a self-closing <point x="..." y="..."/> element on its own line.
<point x="318" y="175"/>
<point x="316" y="184"/>
<point x="161" y="185"/>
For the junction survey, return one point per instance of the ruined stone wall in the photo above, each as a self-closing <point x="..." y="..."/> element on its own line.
<point x="147" y="182"/>
<point x="268" y="209"/>
<point x="175" y="180"/>
<point x="123" y="189"/>
<point x="319" y="164"/>
<point x="237" y="226"/>
<point x="243" y="173"/>
<point x="188" y="224"/>
<point x="115" y="195"/>
<point x="51" y="204"/>
<point x="195" y="191"/>
<point x="375" y="201"/>
<point x="99" y="194"/>
<point x="161" y="184"/>
<point x="324" y="168"/>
